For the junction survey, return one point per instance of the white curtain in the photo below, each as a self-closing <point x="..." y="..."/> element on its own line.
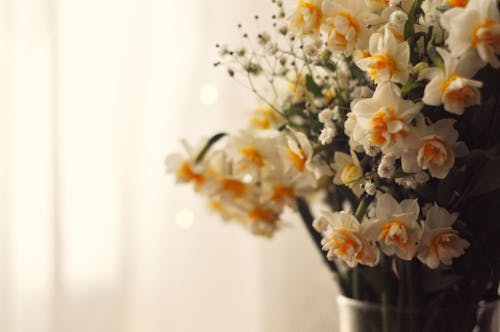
<point x="93" y="235"/>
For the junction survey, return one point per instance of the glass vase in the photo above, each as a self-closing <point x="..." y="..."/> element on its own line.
<point x="360" y="316"/>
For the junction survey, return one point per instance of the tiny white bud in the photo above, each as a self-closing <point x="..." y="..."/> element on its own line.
<point x="398" y="18"/>
<point x="422" y="177"/>
<point x="327" y="135"/>
<point x="370" y="188"/>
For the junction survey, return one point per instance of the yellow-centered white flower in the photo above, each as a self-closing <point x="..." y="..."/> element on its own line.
<point x="348" y="171"/>
<point x="307" y="17"/>
<point x="345" y="24"/>
<point x="440" y="243"/>
<point x="383" y="121"/>
<point x="432" y="149"/>
<point x="395" y="226"/>
<point x="477" y="27"/>
<point x="453" y="86"/>
<point x="343" y="238"/>
<point x="388" y="60"/>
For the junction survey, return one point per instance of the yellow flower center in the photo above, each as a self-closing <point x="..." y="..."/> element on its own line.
<point x="298" y="159"/>
<point x="187" y="174"/>
<point x="264" y="215"/>
<point x="350" y="174"/>
<point x="313" y="11"/>
<point x="394" y="233"/>
<point x="380" y="127"/>
<point x="263" y="118"/>
<point x="252" y="156"/>
<point x="341" y="39"/>
<point x="381" y="62"/>
<point x="280" y="193"/>
<point x="234" y="187"/>
<point x="484" y="34"/>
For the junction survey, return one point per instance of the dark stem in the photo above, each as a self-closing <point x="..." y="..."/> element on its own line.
<point x="308" y="219"/>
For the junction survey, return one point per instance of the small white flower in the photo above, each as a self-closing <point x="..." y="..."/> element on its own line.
<point x="422" y="177"/>
<point x="327" y="134"/>
<point x="440" y="243"/>
<point x="387" y="167"/>
<point x="370" y="188"/>
<point x="344" y="239"/>
<point x="398" y="18"/>
<point x="395" y="226"/>
<point x="325" y="116"/>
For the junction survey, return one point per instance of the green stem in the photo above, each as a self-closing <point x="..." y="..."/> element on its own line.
<point x="207" y="146"/>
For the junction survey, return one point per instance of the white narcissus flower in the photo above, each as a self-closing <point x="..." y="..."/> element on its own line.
<point x="345" y="23"/>
<point x="252" y="155"/>
<point x="263" y="220"/>
<point x="343" y="238"/>
<point x="453" y="87"/>
<point x="298" y="158"/>
<point x="307" y="17"/>
<point x="265" y="118"/>
<point x="477" y="27"/>
<point x="383" y="121"/>
<point x="388" y="60"/>
<point x="433" y="149"/>
<point x="440" y="243"/>
<point x="348" y="171"/>
<point x="395" y="226"/>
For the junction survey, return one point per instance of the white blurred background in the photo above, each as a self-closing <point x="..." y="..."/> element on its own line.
<point x="93" y="235"/>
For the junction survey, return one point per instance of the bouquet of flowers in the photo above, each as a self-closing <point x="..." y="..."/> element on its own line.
<point x="385" y="114"/>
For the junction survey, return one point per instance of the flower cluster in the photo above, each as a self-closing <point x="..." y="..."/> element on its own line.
<point x="255" y="175"/>
<point x="389" y="111"/>
<point x="396" y="229"/>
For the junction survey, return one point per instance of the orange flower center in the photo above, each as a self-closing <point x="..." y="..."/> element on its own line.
<point x="462" y="95"/>
<point x="458" y="3"/>
<point x="484" y="34"/>
<point x="381" y="62"/>
<point x="298" y="159"/>
<point x="434" y="151"/>
<point x="380" y="127"/>
<point x="235" y="187"/>
<point x="187" y="174"/>
<point x="345" y="241"/>
<point x="280" y="193"/>
<point x="265" y="215"/>
<point x="313" y="10"/>
<point x="252" y="156"/>
<point x="394" y="232"/>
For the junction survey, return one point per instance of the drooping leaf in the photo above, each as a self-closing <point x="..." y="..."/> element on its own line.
<point x="313" y="87"/>
<point x="208" y="145"/>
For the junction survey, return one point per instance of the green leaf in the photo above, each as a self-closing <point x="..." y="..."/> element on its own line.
<point x="451" y="186"/>
<point x="488" y="179"/>
<point x="433" y="54"/>
<point x="313" y="87"/>
<point x="409" y="29"/>
<point x="207" y="146"/>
